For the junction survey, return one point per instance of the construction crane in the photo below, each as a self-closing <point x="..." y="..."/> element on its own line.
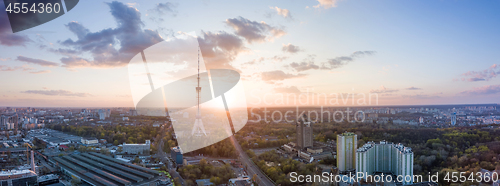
<point x="28" y="146"/>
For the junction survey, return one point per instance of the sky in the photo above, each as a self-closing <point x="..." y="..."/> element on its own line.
<point x="397" y="52"/>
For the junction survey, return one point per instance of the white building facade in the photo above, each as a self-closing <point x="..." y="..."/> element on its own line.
<point x="386" y="158"/>
<point x="346" y="151"/>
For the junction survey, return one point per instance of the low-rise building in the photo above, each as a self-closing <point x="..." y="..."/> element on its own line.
<point x="240" y="181"/>
<point x="90" y="141"/>
<point x="137" y="148"/>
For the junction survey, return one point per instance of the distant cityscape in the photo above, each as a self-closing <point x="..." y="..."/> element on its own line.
<point x="44" y="146"/>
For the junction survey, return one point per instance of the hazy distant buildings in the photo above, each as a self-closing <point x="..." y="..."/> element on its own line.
<point x="346" y="151"/>
<point x="304" y="134"/>
<point x="102" y="114"/>
<point x="386" y="158"/>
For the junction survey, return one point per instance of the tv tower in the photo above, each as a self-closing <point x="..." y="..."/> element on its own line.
<point x="198" y="124"/>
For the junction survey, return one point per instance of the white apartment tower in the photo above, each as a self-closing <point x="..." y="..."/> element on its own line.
<point x="453" y="119"/>
<point x="386" y="158"/>
<point x="346" y="151"/>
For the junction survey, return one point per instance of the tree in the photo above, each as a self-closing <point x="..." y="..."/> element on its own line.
<point x="177" y="181"/>
<point x="137" y="160"/>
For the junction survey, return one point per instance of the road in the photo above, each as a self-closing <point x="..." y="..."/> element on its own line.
<point x="164" y="157"/>
<point x="251" y="167"/>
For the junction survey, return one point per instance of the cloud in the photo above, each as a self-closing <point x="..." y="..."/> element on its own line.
<point x="5" y="59"/>
<point x="41" y="72"/>
<point x="382" y="89"/>
<point x="303" y="66"/>
<point x="254" y="31"/>
<point x="255" y="61"/>
<point x="278" y="75"/>
<point x="220" y="49"/>
<point x="420" y="96"/>
<point x="413" y="88"/>
<point x="57" y="93"/>
<point x="37" y="61"/>
<point x="344" y="60"/>
<point x="484" y="75"/>
<point x="129" y="35"/>
<point x="484" y="90"/>
<point x="309" y="62"/>
<point x="291" y="48"/>
<point x="279" y="58"/>
<point x="291" y="89"/>
<point x="7" y="68"/>
<point x="306" y="64"/>
<point x="165" y="8"/>
<point x="326" y="4"/>
<point x="8" y="38"/>
<point x="282" y="12"/>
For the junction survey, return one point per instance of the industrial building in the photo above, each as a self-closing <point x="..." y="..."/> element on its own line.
<point x="387" y="158"/>
<point x="101" y="170"/>
<point x="18" y="177"/>
<point x="137" y="148"/>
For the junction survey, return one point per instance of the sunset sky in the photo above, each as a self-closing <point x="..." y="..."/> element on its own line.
<point x="407" y="52"/>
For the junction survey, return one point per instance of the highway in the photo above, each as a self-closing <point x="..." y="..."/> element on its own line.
<point x="250" y="166"/>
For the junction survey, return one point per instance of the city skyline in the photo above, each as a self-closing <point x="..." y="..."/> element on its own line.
<point x="282" y="47"/>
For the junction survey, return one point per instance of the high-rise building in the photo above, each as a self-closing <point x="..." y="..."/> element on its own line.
<point x="304" y="133"/>
<point x="384" y="157"/>
<point x="176" y="154"/>
<point x="421" y="120"/>
<point x="453" y="119"/>
<point x="346" y="151"/>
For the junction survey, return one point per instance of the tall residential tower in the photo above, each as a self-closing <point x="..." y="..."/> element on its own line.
<point x="304" y="133"/>
<point x="346" y="151"/>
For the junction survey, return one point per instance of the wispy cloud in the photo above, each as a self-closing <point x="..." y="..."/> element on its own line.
<point x="484" y="90"/>
<point x="326" y="4"/>
<point x="41" y="72"/>
<point x="278" y="75"/>
<point x="484" y="75"/>
<point x="282" y="12"/>
<point x="309" y="62"/>
<point x="57" y="93"/>
<point x="291" y="48"/>
<point x="37" y="61"/>
<point x="7" y="68"/>
<point x="382" y="89"/>
<point x="413" y="88"/>
<point x="254" y="31"/>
